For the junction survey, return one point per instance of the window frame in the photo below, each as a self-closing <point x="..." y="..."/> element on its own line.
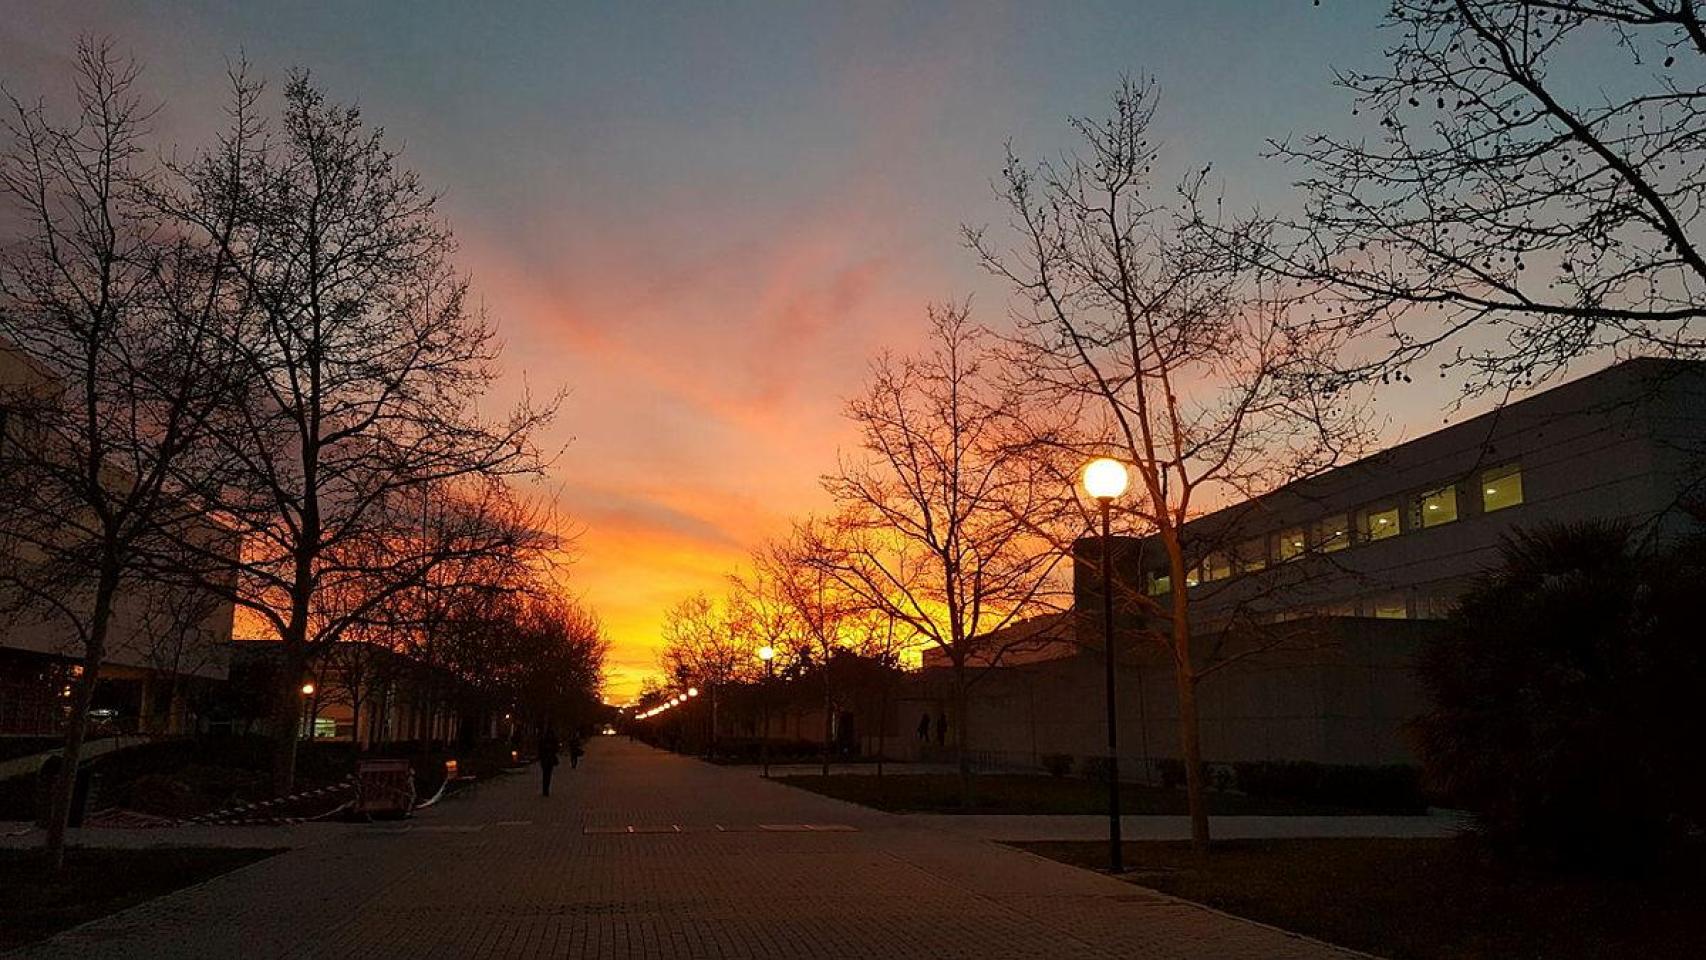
<point x="1330" y="543"/>
<point x="1366" y="527"/>
<point x="1495" y="475"/>
<point x="1421" y="506"/>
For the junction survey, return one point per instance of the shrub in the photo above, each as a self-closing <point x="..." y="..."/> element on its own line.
<point x="1172" y="772"/>
<point x="1565" y="693"/>
<point x="1057" y="764"/>
<point x="1095" y="768"/>
<point x="1394" y="788"/>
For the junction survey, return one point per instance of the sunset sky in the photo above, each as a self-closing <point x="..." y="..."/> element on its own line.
<point x="704" y="219"/>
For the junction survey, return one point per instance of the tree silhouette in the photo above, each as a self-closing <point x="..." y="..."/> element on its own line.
<point x="1146" y="316"/>
<point x="939" y="513"/>
<point x="1513" y="215"/>
<point x="364" y="362"/>
<point x="117" y="327"/>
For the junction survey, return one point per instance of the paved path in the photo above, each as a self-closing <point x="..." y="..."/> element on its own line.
<point x="1026" y="829"/>
<point x="646" y="854"/>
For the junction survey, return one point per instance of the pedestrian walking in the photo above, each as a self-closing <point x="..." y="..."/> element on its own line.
<point x="548" y="750"/>
<point x="577" y="749"/>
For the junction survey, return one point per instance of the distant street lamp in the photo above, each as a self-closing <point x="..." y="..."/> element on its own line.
<point x="307" y="703"/>
<point x="767" y="653"/>
<point x="1105" y="479"/>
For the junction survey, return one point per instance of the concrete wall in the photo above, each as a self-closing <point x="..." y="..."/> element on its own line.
<point x="1627" y="444"/>
<point x="1339" y="691"/>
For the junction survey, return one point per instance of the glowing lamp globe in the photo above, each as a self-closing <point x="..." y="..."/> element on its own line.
<point x="308" y="689"/>
<point x="693" y="691"/>
<point x="766" y="652"/>
<point x="1105" y="478"/>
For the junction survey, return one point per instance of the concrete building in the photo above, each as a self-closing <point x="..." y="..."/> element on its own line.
<point x="1309" y="603"/>
<point x="165" y="649"/>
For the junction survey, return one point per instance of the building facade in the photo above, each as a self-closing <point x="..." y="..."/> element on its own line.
<point x="165" y="650"/>
<point x="1309" y="604"/>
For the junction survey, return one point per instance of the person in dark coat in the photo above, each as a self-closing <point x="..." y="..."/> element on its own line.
<point x="577" y="749"/>
<point x="548" y="750"/>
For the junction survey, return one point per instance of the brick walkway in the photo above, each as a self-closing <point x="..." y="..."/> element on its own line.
<point x="716" y="864"/>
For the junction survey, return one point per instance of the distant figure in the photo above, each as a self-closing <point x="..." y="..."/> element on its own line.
<point x="941" y="728"/>
<point x="924" y="728"/>
<point x="548" y="750"/>
<point x="577" y="749"/>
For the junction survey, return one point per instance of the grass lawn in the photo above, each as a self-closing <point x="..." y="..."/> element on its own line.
<point x="1426" y="899"/>
<point x="1030" y="794"/>
<point x="96" y="883"/>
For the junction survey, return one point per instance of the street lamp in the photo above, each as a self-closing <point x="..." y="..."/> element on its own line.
<point x="767" y="653"/>
<point x="693" y="691"/>
<point x="307" y="702"/>
<point x="1105" y="479"/>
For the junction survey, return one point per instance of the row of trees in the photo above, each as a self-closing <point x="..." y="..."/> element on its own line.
<point x="249" y="371"/>
<point x="1503" y="223"/>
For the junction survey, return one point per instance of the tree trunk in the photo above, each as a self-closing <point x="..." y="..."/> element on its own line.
<point x="94" y="652"/>
<point x="828" y="717"/>
<point x="287" y="718"/>
<point x="1190" y="731"/>
<point x="711" y="742"/>
<point x="882" y="724"/>
<point x="355" y="700"/>
<point x="1191" y="748"/>
<point x="962" y="700"/>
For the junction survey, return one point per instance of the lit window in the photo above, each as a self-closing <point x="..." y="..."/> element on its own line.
<point x="1434" y="608"/>
<point x="1389" y="608"/>
<point x="1160" y="583"/>
<point x="1216" y="566"/>
<point x="1192" y="577"/>
<point x="1291" y="544"/>
<point x="1379" y="523"/>
<point x="1501" y="488"/>
<point x="1440" y="506"/>
<point x="1332" y="533"/>
<point x="1253" y="555"/>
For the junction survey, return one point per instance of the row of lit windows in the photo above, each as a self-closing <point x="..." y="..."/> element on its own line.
<point x="1384" y="607"/>
<point x="1501" y="487"/>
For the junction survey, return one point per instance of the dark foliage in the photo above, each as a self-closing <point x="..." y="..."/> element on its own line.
<point x="1391" y="788"/>
<point x="1058" y="764"/>
<point x="1565" y="694"/>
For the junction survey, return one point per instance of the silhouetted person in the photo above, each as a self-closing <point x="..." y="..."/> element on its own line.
<point x="924" y="728"/>
<point x="577" y="749"/>
<point x="548" y="750"/>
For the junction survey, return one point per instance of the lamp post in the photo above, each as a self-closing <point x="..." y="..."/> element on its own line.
<point x="1105" y="479"/>
<point x="767" y="653"/>
<point x="307" y="702"/>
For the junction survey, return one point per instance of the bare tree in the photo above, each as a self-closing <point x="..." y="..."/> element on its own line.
<point x="707" y="643"/>
<point x="481" y="544"/>
<point x="1535" y="193"/>
<point x="114" y="327"/>
<point x="1138" y="312"/>
<point x="366" y="363"/>
<point x="939" y="513"/>
<point x="882" y="642"/>
<point x="181" y="627"/>
<point x="816" y="603"/>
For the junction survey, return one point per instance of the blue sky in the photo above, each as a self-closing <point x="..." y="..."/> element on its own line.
<point x="704" y="219"/>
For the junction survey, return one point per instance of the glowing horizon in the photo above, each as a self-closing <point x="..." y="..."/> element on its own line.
<point x="705" y="223"/>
